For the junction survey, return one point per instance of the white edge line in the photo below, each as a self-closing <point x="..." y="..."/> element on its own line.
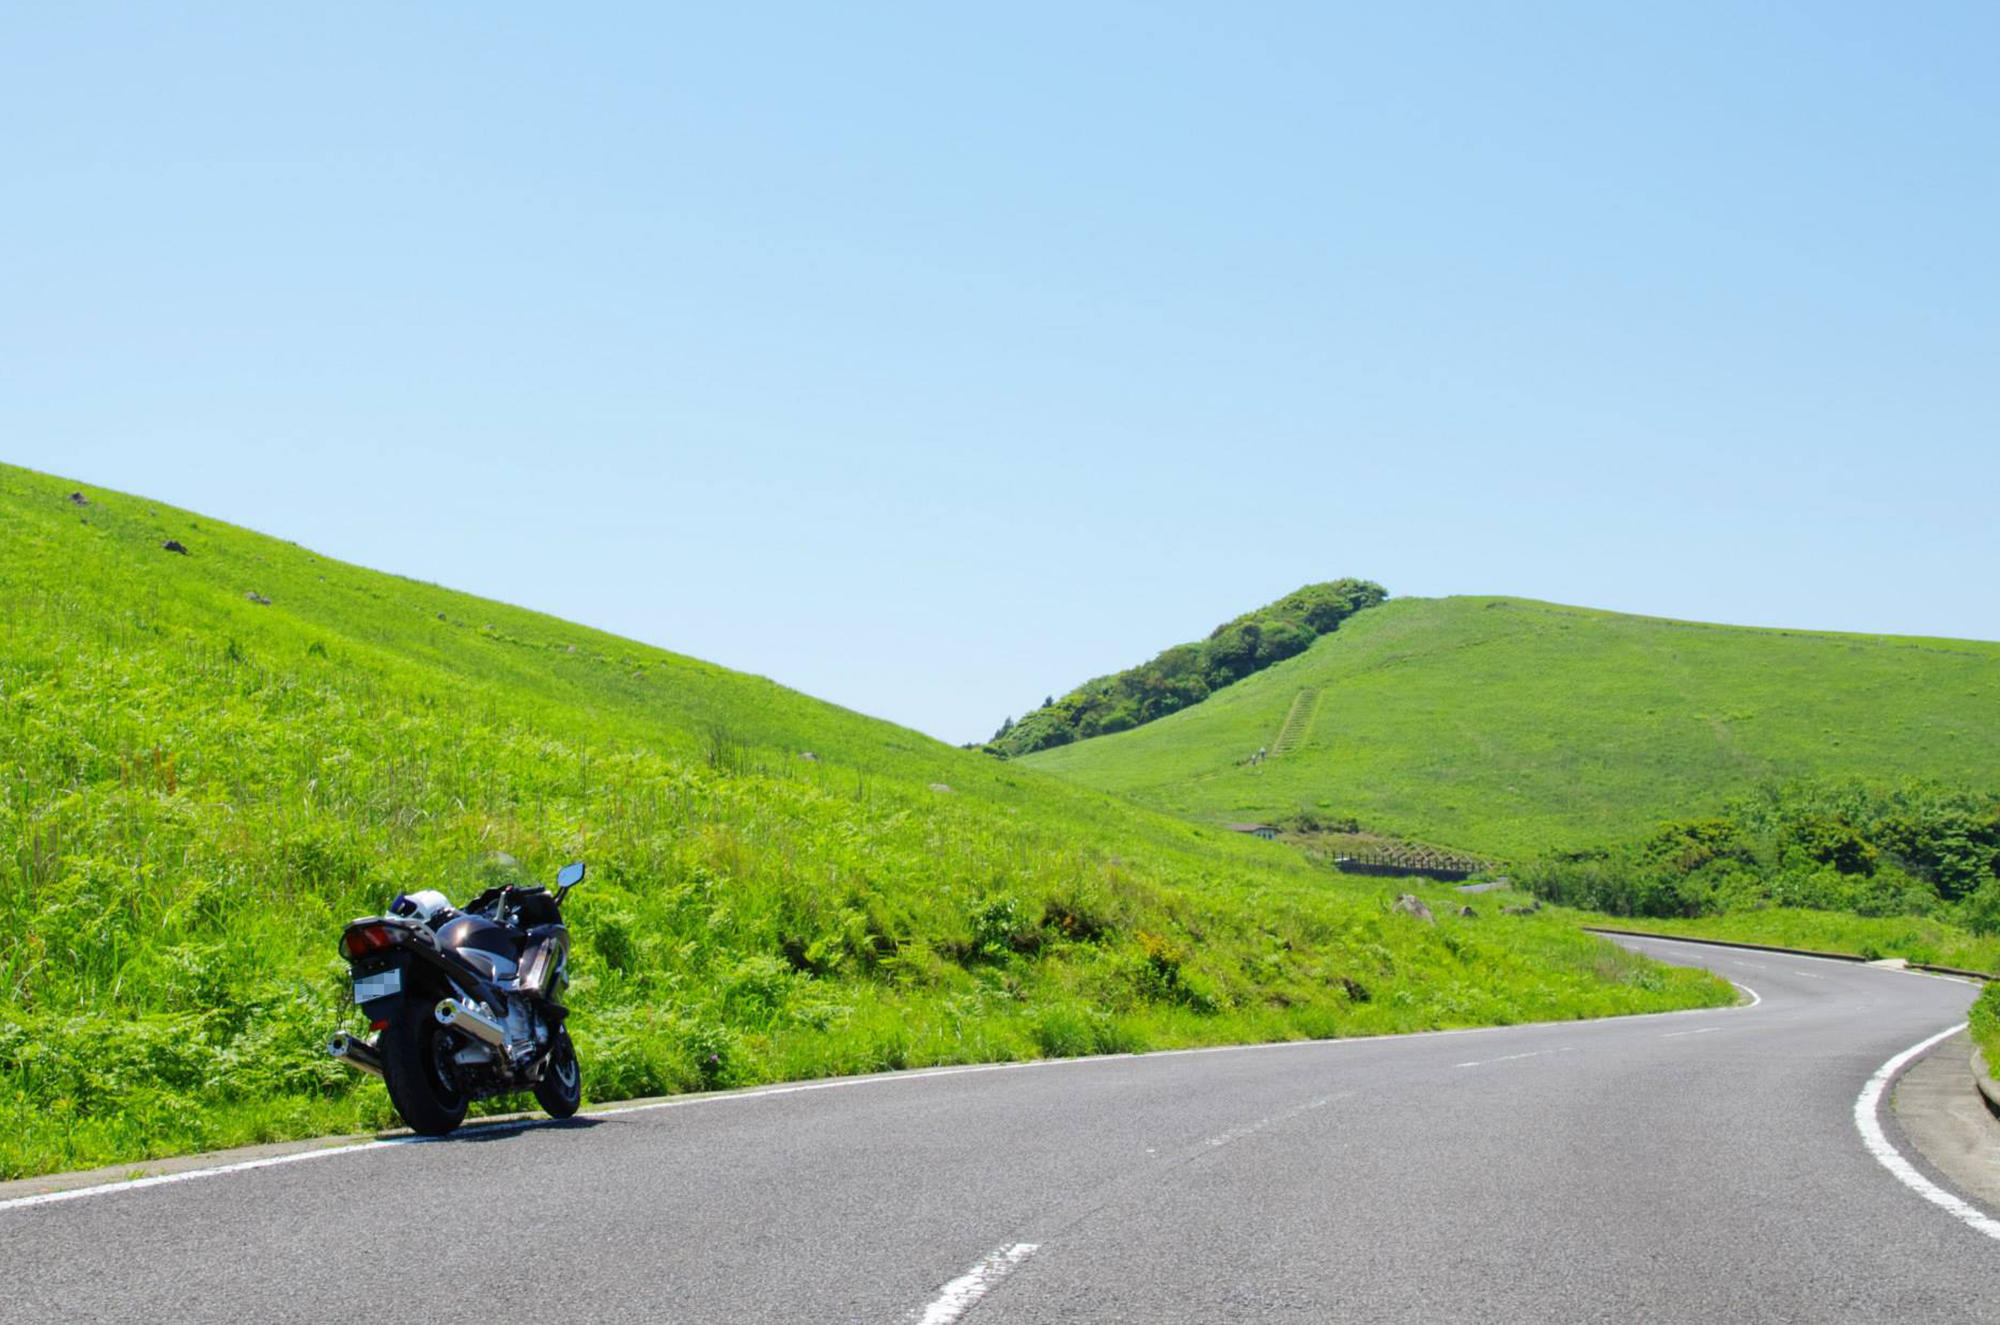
<point x="834" y="1083"/>
<point x="189" y="1175"/>
<point x="956" y="1298"/>
<point x="1867" y="1109"/>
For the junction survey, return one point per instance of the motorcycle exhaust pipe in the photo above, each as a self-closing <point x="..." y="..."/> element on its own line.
<point x="451" y="1012"/>
<point x="356" y="1053"/>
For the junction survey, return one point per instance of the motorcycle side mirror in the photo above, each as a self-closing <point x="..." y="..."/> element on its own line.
<point x="570" y="875"/>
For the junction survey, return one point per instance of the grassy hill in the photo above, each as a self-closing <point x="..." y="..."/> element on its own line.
<point x="1504" y="726"/>
<point x="1186" y="674"/>
<point x="213" y="758"/>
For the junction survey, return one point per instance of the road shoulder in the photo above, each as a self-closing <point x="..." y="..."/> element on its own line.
<point x="1946" y="1119"/>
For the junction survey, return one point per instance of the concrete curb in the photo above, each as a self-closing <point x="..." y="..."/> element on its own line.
<point x="1795" y="952"/>
<point x="1953" y="970"/>
<point x="1726" y="943"/>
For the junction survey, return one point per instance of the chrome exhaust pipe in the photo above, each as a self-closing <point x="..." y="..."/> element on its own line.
<point x="356" y="1053"/>
<point x="451" y="1012"/>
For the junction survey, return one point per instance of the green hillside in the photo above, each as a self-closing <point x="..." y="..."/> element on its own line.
<point x="1507" y="727"/>
<point x="213" y="758"/>
<point x="1186" y="674"/>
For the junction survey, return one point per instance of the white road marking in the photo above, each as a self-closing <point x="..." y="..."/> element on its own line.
<point x="1755" y="997"/>
<point x="956" y="1298"/>
<point x="268" y="1162"/>
<point x="1251" y="1129"/>
<point x="1675" y="1035"/>
<point x="1866" y="1110"/>
<point x="838" y="1083"/>
<point x="1508" y="1058"/>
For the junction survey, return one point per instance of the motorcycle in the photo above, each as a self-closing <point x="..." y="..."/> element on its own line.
<point x="466" y="1003"/>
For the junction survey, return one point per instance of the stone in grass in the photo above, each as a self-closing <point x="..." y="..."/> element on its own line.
<point x="1527" y="910"/>
<point x="1468" y="913"/>
<point x="256" y="598"/>
<point x="1412" y="905"/>
<point x="809" y="756"/>
<point x="174" y="545"/>
<point x="78" y="499"/>
<point x="939" y="786"/>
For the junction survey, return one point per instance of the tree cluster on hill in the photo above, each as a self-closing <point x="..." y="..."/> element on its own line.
<point x="1919" y="849"/>
<point x="1186" y="674"/>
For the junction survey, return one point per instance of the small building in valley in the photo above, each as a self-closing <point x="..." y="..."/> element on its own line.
<point x="1264" y="831"/>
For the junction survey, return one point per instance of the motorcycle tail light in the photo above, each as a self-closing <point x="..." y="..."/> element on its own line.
<point x="361" y="940"/>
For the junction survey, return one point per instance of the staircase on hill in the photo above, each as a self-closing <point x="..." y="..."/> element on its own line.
<point x="1298" y="722"/>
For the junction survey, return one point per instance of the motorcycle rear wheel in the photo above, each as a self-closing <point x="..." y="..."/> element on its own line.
<point x="560" y="1090"/>
<point x="416" y="1067"/>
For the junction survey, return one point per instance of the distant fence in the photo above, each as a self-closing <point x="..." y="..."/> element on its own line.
<point x="1442" y="873"/>
<point x="1411" y="862"/>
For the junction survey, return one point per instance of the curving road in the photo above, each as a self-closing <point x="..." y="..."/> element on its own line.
<point x="1692" y="1167"/>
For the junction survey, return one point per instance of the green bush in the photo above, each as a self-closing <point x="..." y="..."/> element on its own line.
<point x="1914" y="849"/>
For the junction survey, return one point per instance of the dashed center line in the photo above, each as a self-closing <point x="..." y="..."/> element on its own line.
<point x="1251" y="1129"/>
<point x="1675" y="1035"/>
<point x="957" y="1297"/>
<point x="1508" y="1058"/>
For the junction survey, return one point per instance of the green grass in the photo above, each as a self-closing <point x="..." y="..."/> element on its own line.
<point x="1506" y="727"/>
<point x="1913" y="938"/>
<point x="200" y="788"/>
<point x="1984" y="1024"/>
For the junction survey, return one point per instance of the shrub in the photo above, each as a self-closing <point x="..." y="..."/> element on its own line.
<point x="1871" y="851"/>
<point x="1984" y="1023"/>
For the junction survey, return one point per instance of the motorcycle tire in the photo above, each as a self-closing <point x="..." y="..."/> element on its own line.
<point x="560" y="1090"/>
<point x="417" y="1070"/>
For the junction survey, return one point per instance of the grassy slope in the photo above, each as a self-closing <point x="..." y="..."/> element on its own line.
<point x="199" y="789"/>
<point x="1506" y="726"/>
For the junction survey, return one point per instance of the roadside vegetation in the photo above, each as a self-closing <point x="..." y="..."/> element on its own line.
<point x="1911" y="870"/>
<point x="215" y="756"/>
<point x="1187" y="674"/>
<point x="1508" y="729"/>
<point x="1984" y="1024"/>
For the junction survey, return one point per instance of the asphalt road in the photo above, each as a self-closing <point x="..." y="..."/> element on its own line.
<point x="1692" y="1167"/>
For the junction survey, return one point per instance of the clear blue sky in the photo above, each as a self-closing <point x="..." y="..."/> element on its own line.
<point x="931" y="358"/>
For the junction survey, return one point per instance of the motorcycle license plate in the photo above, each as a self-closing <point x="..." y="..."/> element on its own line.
<point x="380" y="985"/>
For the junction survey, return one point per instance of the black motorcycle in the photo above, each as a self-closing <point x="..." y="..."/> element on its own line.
<point x="466" y="1002"/>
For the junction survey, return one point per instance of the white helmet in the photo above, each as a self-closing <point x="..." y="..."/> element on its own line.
<point x="426" y="905"/>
